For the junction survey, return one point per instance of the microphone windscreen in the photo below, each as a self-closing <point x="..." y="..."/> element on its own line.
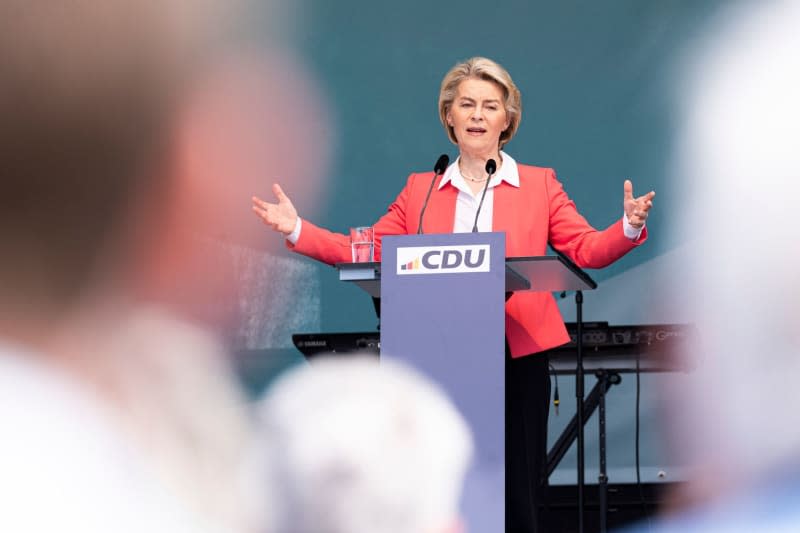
<point x="491" y="166"/>
<point x="441" y="164"/>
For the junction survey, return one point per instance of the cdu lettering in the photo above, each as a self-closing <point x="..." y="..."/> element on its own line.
<point x="426" y="259"/>
<point x="468" y="258"/>
<point x="446" y="259"/>
<point x="451" y="259"/>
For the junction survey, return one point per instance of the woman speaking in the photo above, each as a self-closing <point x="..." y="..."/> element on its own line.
<point x="480" y="109"/>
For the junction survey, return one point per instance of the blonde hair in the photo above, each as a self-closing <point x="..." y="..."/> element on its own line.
<point x="485" y="69"/>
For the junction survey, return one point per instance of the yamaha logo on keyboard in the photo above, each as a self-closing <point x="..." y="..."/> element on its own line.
<point x="443" y="259"/>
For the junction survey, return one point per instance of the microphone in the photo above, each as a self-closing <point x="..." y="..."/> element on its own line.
<point x="491" y="168"/>
<point x="438" y="170"/>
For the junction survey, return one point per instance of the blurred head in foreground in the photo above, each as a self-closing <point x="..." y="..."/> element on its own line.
<point x="357" y="446"/>
<point x="740" y="181"/>
<point x="89" y="100"/>
<point x="130" y="131"/>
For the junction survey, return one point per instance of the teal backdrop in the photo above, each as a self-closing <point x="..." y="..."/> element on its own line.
<point x="599" y="82"/>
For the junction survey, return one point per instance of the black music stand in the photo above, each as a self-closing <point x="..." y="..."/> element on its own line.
<point x="580" y="282"/>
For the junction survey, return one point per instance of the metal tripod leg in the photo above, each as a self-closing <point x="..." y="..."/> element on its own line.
<point x="604" y="380"/>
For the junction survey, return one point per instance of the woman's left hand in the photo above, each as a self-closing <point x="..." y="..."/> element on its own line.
<point x="636" y="209"/>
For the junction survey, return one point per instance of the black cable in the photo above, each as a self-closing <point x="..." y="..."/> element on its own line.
<point x="638" y="391"/>
<point x="556" y="401"/>
<point x="642" y="502"/>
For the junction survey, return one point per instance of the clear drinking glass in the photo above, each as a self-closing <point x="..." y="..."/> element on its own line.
<point x="362" y="244"/>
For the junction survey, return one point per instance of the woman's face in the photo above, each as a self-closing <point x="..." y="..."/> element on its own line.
<point x="478" y="117"/>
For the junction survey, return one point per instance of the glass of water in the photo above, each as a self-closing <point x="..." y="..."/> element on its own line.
<point x="362" y="244"/>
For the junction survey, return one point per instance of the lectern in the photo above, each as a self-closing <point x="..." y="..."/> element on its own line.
<point x="442" y="310"/>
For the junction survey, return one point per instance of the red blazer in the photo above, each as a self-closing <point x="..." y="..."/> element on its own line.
<point x="531" y="215"/>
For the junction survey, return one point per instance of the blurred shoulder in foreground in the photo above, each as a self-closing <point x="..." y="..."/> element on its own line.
<point x="733" y="421"/>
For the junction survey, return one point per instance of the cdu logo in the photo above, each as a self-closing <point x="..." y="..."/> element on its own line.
<point x="443" y="259"/>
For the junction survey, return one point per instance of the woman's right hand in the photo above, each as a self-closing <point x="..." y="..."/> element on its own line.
<point x="282" y="216"/>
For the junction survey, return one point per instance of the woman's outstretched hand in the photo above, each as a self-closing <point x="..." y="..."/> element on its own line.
<point x="636" y="209"/>
<point x="281" y="216"/>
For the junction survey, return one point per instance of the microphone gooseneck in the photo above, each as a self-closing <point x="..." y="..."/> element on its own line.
<point x="491" y="168"/>
<point x="438" y="170"/>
